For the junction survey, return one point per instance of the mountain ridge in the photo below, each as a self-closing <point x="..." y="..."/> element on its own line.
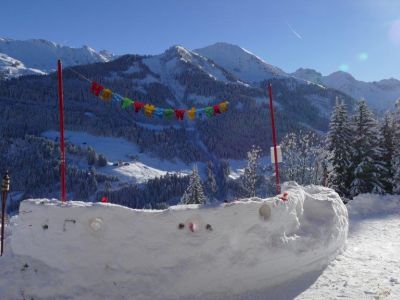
<point x="221" y="61"/>
<point x="40" y="54"/>
<point x="381" y="95"/>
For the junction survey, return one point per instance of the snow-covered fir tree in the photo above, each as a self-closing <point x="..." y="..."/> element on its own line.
<point x="386" y="142"/>
<point x="339" y="148"/>
<point x="194" y="193"/>
<point x="301" y="150"/>
<point x="250" y="176"/>
<point x="365" y="153"/>
<point x="396" y="155"/>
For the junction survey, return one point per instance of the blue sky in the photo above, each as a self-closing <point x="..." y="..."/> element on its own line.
<point x="359" y="36"/>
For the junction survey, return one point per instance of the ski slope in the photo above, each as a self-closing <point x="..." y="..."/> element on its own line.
<point x="138" y="170"/>
<point x="145" y="166"/>
<point x="104" y="251"/>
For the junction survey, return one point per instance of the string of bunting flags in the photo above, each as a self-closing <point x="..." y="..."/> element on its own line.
<point x="151" y="110"/>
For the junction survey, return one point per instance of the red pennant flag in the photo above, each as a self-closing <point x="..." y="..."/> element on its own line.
<point x="96" y="88"/>
<point x="179" y="114"/>
<point x="138" y="106"/>
<point x="216" y="110"/>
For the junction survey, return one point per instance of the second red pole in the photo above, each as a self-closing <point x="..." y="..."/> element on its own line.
<point x="271" y="108"/>
<point x="62" y="146"/>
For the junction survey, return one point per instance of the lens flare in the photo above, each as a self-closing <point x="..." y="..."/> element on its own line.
<point x="363" y="56"/>
<point x="394" y="32"/>
<point x="344" y="67"/>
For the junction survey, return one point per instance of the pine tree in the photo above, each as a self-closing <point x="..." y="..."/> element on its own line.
<point x="396" y="155"/>
<point x="386" y="142"/>
<point x="210" y="183"/>
<point x="250" y="176"/>
<point x="194" y="193"/>
<point x="366" y="153"/>
<point x="102" y="161"/>
<point x="91" y="156"/>
<point x="339" y="148"/>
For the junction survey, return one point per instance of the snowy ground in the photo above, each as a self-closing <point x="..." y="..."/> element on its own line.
<point x="138" y="170"/>
<point x="370" y="267"/>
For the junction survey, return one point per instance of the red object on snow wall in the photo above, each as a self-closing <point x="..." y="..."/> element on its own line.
<point x="62" y="146"/>
<point x="271" y="108"/>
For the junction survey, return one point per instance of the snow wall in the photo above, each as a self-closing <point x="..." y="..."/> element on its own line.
<point x="142" y="254"/>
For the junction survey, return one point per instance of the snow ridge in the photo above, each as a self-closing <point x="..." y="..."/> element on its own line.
<point x="42" y="55"/>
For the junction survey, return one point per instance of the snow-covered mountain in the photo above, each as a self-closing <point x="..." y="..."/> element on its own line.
<point x="11" y="67"/>
<point x="242" y="63"/>
<point x="380" y="95"/>
<point x="220" y="62"/>
<point x="40" y="56"/>
<point x="176" y="63"/>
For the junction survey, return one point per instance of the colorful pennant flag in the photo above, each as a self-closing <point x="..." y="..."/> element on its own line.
<point x="126" y="102"/>
<point x="150" y="110"/>
<point x="106" y="94"/>
<point x="191" y="113"/>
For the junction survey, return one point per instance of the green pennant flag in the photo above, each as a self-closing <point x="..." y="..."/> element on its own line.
<point x="168" y="113"/>
<point x="126" y="102"/>
<point x="209" y="111"/>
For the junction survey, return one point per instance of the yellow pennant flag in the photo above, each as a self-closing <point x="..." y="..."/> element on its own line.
<point x="223" y="106"/>
<point x="148" y="110"/>
<point x="106" y="94"/>
<point x="191" y="113"/>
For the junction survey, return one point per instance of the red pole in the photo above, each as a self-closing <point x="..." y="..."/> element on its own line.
<point x="3" y="216"/>
<point x="62" y="147"/>
<point x="271" y="108"/>
<point x="5" y="188"/>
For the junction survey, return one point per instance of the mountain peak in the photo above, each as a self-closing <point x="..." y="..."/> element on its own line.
<point x="341" y="75"/>
<point x="308" y="75"/>
<point x="242" y="63"/>
<point x="41" y="55"/>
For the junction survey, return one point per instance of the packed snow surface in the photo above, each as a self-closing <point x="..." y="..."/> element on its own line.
<point x="369" y="269"/>
<point x="104" y="251"/>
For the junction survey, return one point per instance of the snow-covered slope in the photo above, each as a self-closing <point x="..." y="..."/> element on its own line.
<point x="178" y="61"/>
<point x="243" y="64"/>
<point x="11" y="67"/>
<point x="103" y="251"/>
<point x="380" y="95"/>
<point x="42" y="55"/>
<point x="125" y="159"/>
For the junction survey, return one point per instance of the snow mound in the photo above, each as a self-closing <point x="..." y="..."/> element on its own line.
<point x="367" y="204"/>
<point x="105" y="251"/>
